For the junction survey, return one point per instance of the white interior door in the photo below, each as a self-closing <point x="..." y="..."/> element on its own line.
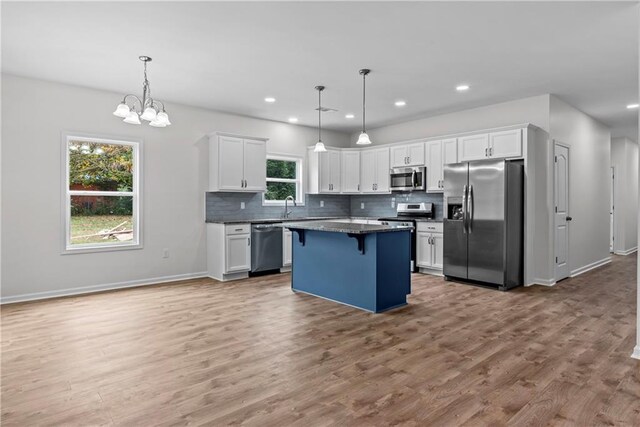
<point x="611" y="211"/>
<point x="561" y="178"/>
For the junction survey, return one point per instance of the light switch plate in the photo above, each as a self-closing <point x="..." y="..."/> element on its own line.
<point x="322" y="203"/>
<point x="241" y="205"/>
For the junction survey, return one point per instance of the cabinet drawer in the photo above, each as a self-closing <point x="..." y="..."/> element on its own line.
<point x="429" y="227"/>
<point x="237" y="229"/>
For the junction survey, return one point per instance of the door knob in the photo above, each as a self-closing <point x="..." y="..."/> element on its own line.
<point x="569" y="219"/>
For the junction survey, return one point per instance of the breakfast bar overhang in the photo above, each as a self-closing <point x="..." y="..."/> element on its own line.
<point x="366" y="266"/>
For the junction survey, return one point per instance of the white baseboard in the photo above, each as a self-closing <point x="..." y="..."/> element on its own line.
<point x="542" y="282"/>
<point x="627" y="252"/>
<point x="100" y="288"/>
<point x="588" y="267"/>
<point x="636" y="352"/>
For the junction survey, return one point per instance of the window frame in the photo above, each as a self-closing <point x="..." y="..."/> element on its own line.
<point x="66" y="193"/>
<point x="299" y="179"/>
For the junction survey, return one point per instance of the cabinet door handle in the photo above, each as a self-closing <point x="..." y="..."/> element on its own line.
<point x="358" y="187"/>
<point x="486" y="152"/>
<point x="249" y="241"/>
<point x="491" y="151"/>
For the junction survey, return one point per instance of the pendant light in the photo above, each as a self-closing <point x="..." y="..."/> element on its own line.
<point x="319" y="145"/>
<point x="133" y="108"/>
<point x="364" y="138"/>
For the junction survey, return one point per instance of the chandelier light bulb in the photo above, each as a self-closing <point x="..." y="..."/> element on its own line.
<point x="157" y="124"/>
<point x="122" y="110"/>
<point x="132" y="118"/>
<point x="163" y="117"/>
<point x="149" y="114"/>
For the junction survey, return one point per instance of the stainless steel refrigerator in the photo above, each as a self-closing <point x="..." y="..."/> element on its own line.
<point x="484" y="221"/>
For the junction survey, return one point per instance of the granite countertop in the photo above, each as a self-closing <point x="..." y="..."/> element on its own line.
<point x="310" y="218"/>
<point x="345" y="227"/>
<point x="270" y="220"/>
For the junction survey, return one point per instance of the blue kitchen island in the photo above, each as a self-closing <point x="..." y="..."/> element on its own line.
<point x="365" y="266"/>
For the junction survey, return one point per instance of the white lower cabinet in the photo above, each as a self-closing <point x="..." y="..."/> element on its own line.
<point x="228" y="251"/>
<point x="429" y="247"/>
<point x="286" y="247"/>
<point x="237" y="253"/>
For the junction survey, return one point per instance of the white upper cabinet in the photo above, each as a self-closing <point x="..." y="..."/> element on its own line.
<point x="439" y="153"/>
<point x="434" y="166"/>
<point x="237" y="164"/>
<point x="351" y="171"/>
<point x="473" y="147"/>
<point x="407" y="155"/>
<point x="324" y="171"/>
<point x="229" y="167"/>
<point x="374" y="170"/>
<point x="494" y="145"/>
<point x="255" y="165"/>
<point x="449" y="151"/>
<point x="507" y="143"/>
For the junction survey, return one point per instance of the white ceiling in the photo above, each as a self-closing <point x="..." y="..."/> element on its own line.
<point x="229" y="56"/>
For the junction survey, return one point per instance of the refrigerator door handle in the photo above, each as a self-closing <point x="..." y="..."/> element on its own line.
<point x="470" y="202"/>
<point x="464" y="209"/>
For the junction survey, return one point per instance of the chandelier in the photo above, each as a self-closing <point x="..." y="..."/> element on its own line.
<point x="132" y="108"/>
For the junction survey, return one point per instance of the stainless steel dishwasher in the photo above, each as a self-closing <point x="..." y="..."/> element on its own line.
<point x="266" y="247"/>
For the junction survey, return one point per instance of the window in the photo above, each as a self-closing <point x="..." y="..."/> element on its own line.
<point x="101" y="194"/>
<point x="284" y="178"/>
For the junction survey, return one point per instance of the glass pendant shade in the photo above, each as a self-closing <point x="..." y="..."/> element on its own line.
<point x="122" y="110"/>
<point x="319" y="148"/>
<point x="149" y="114"/>
<point x="363" y="139"/>
<point x="163" y="117"/>
<point x="132" y="118"/>
<point x="157" y="124"/>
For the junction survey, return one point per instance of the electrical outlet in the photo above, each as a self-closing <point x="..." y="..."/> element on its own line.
<point x="322" y="203"/>
<point x="362" y="205"/>
<point x="393" y="203"/>
<point x="165" y="253"/>
<point x="241" y="205"/>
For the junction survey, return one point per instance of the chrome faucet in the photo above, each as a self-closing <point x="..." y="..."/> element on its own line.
<point x="287" y="212"/>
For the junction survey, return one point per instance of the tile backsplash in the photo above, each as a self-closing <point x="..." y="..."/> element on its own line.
<point x="226" y="206"/>
<point x="382" y="205"/>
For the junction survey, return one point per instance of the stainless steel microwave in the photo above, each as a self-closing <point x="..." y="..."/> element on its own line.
<point x="409" y="179"/>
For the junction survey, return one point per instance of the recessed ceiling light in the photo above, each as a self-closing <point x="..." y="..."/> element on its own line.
<point x="349" y="116"/>
<point x="462" y="88"/>
<point x="293" y="120"/>
<point x="631" y="106"/>
<point x="270" y="100"/>
<point x="400" y="103"/>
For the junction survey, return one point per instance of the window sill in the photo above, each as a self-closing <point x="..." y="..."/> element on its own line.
<point x="97" y="249"/>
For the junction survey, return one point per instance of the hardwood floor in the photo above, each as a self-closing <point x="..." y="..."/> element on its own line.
<point x="204" y="352"/>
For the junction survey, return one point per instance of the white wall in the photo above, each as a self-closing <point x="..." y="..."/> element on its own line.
<point x="589" y="188"/>
<point x="624" y="158"/>
<point x="631" y="211"/>
<point x="534" y="110"/>
<point x="175" y="181"/>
